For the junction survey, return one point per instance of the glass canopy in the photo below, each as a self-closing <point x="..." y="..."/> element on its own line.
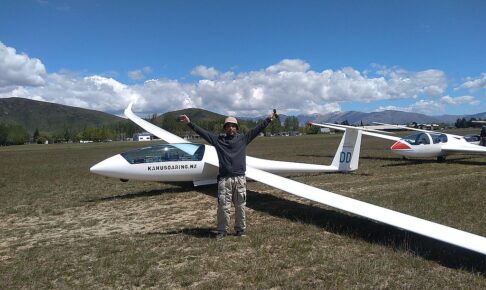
<point x="165" y="153"/>
<point x="425" y="138"/>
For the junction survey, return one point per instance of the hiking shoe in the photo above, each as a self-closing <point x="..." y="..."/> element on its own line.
<point x="241" y="234"/>
<point x="220" y="236"/>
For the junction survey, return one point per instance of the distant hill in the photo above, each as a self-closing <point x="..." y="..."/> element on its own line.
<point x="50" y="117"/>
<point x="194" y="114"/>
<point x="453" y="118"/>
<point x="353" y="117"/>
<point x="205" y="119"/>
<point x="389" y="116"/>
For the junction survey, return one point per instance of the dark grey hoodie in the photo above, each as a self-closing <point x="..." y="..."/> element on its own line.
<point x="231" y="150"/>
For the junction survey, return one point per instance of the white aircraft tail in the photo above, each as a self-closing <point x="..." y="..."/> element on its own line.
<point x="347" y="154"/>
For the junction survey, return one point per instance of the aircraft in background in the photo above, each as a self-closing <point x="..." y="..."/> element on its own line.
<point x="423" y="144"/>
<point x="206" y="162"/>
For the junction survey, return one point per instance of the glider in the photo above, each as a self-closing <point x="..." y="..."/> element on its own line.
<point x="424" y="143"/>
<point x="181" y="160"/>
<point x="208" y="160"/>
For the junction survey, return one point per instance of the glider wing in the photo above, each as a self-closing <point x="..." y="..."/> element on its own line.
<point x="420" y="226"/>
<point x="368" y="132"/>
<point x="463" y="147"/>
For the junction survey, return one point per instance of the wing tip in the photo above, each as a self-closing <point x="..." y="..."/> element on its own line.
<point x="128" y="110"/>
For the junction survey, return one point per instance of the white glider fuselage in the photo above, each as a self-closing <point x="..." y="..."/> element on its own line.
<point x="422" y="145"/>
<point x="164" y="163"/>
<point x="170" y="163"/>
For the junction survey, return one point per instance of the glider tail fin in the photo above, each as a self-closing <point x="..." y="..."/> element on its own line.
<point x="347" y="154"/>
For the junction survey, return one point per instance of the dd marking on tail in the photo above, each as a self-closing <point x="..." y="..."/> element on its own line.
<point x="345" y="157"/>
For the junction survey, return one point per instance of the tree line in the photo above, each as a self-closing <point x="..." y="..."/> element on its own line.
<point x="12" y="134"/>
<point x="15" y="134"/>
<point x="463" y="123"/>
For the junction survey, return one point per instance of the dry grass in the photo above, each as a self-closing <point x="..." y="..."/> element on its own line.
<point x="62" y="227"/>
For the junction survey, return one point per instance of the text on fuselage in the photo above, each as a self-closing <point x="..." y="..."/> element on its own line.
<point x="171" y="167"/>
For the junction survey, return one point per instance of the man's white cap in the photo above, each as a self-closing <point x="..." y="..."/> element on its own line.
<point x="231" y="120"/>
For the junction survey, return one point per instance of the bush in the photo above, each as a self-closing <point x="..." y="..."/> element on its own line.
<point x="12" y="134"/>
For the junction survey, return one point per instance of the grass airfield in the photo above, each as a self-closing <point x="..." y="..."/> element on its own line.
<point x="63" y="227"/>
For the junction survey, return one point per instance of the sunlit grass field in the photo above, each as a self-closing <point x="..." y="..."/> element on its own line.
<point x="63" y="227"/>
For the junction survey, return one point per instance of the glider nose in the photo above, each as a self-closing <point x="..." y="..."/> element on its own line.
<point x="110" y="166"/>
<point x="399" y="145"/>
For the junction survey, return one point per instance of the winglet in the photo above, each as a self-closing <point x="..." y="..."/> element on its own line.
<point x="129" y="108"/>
<point x="149" y="127"/>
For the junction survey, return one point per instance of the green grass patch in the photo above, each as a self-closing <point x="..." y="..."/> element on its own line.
<point x="62" y="227"/>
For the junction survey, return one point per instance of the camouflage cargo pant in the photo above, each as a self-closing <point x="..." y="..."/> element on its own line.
<point x="231" y="189"/>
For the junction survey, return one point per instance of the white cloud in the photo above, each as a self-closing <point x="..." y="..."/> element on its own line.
<point x="19" y="70"/>
<point x="290" y="86"/>
<point x="470" y="100"/>
<point x="433" y="106"/>
<point x="209" y="73"/>
<point x="475" y="84"/>
<point x="289" y="65"/>
<point x="139" y="74"/>
<point x="165" y="95"/>
<point x="421" y="106"/>
<point x="93" y="92"/>
<point x="404" y="84"/>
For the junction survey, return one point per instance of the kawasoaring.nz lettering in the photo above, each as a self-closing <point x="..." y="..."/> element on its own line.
<point x="171" y="167"/>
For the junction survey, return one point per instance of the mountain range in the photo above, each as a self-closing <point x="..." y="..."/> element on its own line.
<point x="51" y="117"/>
<point x="388" y="116"/>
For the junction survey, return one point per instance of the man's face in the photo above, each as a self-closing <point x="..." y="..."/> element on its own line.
<point x="230" y="129"/>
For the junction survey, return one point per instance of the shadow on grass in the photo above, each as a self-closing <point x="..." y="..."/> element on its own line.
<point x="361" y="157"/>
<point x="370" y="231"/>
<point x="195" y="232"/>
<point x="460" y="160"/>
<point x="155" y="192"/>
<point x="361" y="228"/>
<point x="466" y="160"/>
<point x="339" y="223"/>
<point x="201" y="233"/>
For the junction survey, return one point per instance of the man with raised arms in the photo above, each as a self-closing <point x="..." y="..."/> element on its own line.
<point x="231" y="150"/>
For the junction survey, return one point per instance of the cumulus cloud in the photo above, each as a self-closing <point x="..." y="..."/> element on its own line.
<point x="289" y="65"/>
<point x="433" y="106"/>
<point x="139" y="74"/>
<point x="290" y="86"/>
<point x="422" y="106"/>
<point x="205" y="72"/>
<point x="470" y="100"/>
<point x="475" y="84"/>
<point x="19" y="70"/>
<point x="411" y="84"/>
<point x="91" y="92"/>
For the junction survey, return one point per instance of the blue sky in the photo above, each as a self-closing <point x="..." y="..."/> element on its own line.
<point x="246" y="57"/>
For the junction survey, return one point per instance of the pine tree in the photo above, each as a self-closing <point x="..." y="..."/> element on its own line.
<point x="35" y="137"/>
